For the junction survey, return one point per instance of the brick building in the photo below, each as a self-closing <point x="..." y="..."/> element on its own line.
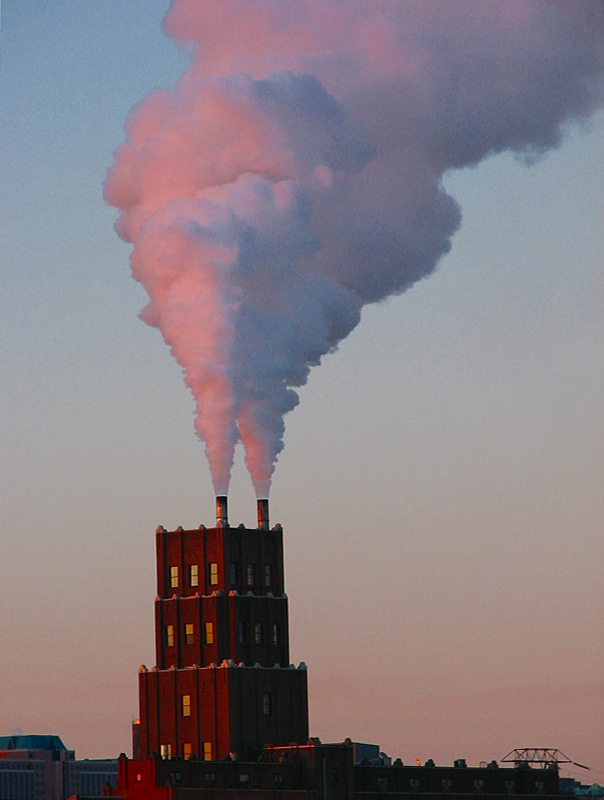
<point x="223" y="683"/>
<point x="223" y="714"/>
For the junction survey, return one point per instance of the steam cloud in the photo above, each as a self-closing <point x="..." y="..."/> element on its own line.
<point x="294" y="174"/>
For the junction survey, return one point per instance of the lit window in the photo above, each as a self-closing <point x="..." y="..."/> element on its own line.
<point x="241" y="632"/>
<point x="169" y="635"/>
<point x="266" y="704"/>
<point x="268" y="575"/>
<point x="173" y="577"/>
<point x="165" y="750"/>
<point x="257" y="633"/>
<point x="186" y="750"/>
<point x="186" y="705"/>
<point x="213" y="573"/>
<point x="207" y="751"/>
<point x="194" y="575"/>
<point x="251" y="574"/>
<point x="209" y="633"/>
<point x="276" y="633"/>
<point x="189" y="633"/>
<point x="233" y="575"/>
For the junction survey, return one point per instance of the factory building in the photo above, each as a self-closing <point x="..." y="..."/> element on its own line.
<point x="224" y="715"/>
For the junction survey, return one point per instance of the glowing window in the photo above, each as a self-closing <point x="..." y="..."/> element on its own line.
<point x="194" y="574"/>
<point x="213" y="573"/>
<point x="257" y="633"/>
<point x="251" y="574"/>
<point x="186" y="750"/>
<point x="209" y="633"/>
<point x="276" y="633"/>
<point x="268" y="575"/>
<point x="207" y="751"/>
<point x="186" y="705"/>
<point x="169" y="635"/>
<point x="173" y="577"/>
<point x="189" y="633"/>
<point x="165" y="750"/>
<point x="266" y="704"/>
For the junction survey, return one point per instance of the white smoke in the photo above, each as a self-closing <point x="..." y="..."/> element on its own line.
<point x="292" y="177"/>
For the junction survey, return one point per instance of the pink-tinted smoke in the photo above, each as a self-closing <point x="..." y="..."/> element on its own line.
<point x="294" y="175"/>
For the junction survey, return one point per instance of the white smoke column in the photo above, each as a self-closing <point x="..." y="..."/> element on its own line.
<point x="294" y="175"/>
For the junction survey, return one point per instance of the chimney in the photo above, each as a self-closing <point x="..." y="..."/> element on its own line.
<point x="222" y="517"/>
<point x="263" y="515"/>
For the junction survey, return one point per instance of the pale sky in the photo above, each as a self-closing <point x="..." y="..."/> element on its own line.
<point x="441" y="483"/>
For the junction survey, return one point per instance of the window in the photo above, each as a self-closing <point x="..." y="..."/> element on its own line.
<point x="233" y="574"/>
<point x="207" y="751"/>
<point x="165" y="750"/>
<point x="266" y="704"/>
<point x="244" y="777"/>
<point x="251" y="574"/>
<point x="276" y="633"/>
<point x="257" y="633"/>
<point x="268" y="575"/>
<point x="241" y="632"/>
<point x="279" y="779"/>
<point x="186" y="705"/>
<point x="210" y="777"/>
<point x="209" y="633"/>
<point x="186" y="750"/>
<point x="169" y="635"/>
<point x="213" y="573"/>
<point x="173" y="577"/>
<point x="194" y="574"/>
<point x="189" y="633"/>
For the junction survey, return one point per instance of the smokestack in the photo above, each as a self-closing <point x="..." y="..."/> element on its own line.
<point x="222" y="517"/>
<point x="263" y="515"/>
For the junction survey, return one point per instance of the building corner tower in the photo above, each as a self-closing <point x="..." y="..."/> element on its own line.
<point x="223" y="684"/>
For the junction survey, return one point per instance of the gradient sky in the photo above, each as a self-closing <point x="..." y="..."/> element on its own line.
<point x="441" y="482"/>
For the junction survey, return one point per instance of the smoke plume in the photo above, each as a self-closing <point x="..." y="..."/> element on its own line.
<point x="294" y="174"/>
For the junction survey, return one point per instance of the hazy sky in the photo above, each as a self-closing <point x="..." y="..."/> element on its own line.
<point x="441" y="483"/>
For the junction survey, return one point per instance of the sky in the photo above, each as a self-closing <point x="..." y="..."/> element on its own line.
<point x="441" y="482"/>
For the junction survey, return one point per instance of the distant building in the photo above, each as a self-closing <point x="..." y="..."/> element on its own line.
<point x="35" y="767"/>
<point x="573" y="788"/>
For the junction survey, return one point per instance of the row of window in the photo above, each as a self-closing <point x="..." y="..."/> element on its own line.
<point x="267" y="705"/>
<point x="165" y="750"/>
<point x="242" y="637"/>
<point x="250" y="575"/>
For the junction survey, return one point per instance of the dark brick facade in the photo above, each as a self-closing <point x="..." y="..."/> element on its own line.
<point x="223" y="683"/>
